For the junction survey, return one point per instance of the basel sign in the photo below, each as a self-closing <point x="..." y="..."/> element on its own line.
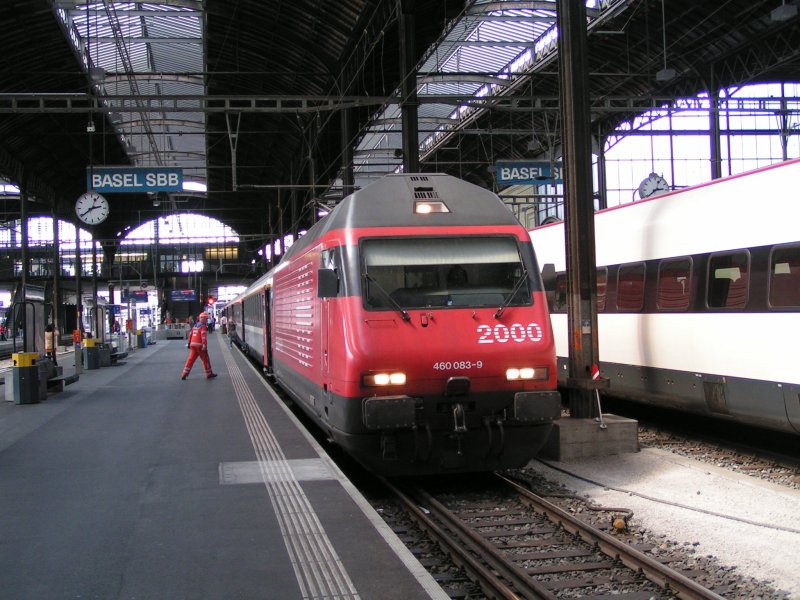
<point x="527" y="172"/>
<point x="110" y="180"/>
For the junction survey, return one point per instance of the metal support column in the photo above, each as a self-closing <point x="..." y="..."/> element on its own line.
<point x="56" y="299"/>
<point x="408" y="88"/>
<point x="78" y="338"/>
<point x="602" y="180"/>
<point x="714" y="137"/>
<point x="347" y="154"/>
<point x="312" y="178"/>
<point x="579" y="209"/>
<point x="23" y="227"/>
<point x="96" y="316"/>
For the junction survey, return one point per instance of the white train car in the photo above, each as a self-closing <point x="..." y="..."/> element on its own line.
<point x="698" y="297"/>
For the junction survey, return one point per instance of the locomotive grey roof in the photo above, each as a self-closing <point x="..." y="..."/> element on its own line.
<point x="268" y="79"/>
<point x="389" y="202"/>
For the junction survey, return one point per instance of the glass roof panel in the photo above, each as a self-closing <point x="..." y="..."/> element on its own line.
<point x="494" y="41"/>
<point x="134" y="53"/>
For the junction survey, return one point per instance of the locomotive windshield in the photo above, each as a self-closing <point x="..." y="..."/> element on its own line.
<point x="402" y="273"/>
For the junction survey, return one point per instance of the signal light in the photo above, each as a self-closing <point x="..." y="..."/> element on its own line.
<point x="211" y="300"/>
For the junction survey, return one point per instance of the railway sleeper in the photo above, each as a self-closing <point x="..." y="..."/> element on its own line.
<point x="567" y="584"/>
<point x="568" y="568"/>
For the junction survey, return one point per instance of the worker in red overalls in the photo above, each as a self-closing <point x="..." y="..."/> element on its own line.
<point x="198" y="346"/>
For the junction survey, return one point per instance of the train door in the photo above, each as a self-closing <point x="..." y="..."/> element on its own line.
<point x="266" y="299"/>
<point x="268" y="330"/>
<point x="326" y="293"/>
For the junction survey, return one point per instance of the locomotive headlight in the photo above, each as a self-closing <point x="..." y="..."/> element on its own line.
<point x="388" y="378"/>
<point x="425" y="207"/>
<point x="397" y="378"/>
<point x="538" y="373"/>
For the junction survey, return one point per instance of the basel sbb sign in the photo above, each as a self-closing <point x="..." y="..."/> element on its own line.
<point x="527" y="172"/>
<point x="110" y="180"/>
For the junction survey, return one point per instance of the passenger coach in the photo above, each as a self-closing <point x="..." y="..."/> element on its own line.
<point x="698" y="297"/>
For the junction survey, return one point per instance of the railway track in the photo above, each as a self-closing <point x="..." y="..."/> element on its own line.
<point x="514" y="544"/>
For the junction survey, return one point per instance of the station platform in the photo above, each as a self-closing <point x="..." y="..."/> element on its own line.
<point x="132" y="483"/>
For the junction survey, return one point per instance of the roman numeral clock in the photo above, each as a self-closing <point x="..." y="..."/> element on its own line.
<point x="91" y="208"/>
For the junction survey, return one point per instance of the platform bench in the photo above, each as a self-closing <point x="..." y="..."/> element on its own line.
<point x="115" y="356"/>
<point x="56" y="384"/>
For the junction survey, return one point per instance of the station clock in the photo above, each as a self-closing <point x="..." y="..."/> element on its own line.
<point x="652" y="185"/>
<point x="91" y="208"/>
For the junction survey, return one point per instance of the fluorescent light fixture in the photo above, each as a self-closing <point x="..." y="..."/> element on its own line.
<point x="665" y="75"/>
<point x="194" y="186"/>
<point x="783" y="13"/>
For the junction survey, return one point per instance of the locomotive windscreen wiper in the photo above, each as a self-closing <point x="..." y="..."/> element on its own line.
<point x="403" y="311"/>
<point x="522" y="278"/>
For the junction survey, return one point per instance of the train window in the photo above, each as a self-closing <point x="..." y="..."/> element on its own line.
<point x="443" y="272"/>
<point x="674" y="284"/>
<point x="560" y="301"/>
<point x="728" y="280"/>
<point x="327" y="259"/>
<point x="560" y="297"/>
<point x="784" y="277"/>
<point x="602" y="284"/>
<point x="630" y="287"/>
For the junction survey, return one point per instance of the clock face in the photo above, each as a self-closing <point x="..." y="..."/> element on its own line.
<point x="653" y="184"/>
<point x="91" y="208"/>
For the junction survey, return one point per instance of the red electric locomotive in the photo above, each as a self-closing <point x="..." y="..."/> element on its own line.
<point x="411" y="325"/>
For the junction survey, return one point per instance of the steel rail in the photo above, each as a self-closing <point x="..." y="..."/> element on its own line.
<point x="491" y="585"/>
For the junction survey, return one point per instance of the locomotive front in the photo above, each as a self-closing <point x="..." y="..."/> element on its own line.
<point x="447" y="361"/>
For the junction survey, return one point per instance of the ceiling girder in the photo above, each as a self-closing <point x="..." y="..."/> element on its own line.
<point x="80" y="103"/>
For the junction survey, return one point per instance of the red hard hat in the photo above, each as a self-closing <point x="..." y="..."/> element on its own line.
<point x="203" y="315"/>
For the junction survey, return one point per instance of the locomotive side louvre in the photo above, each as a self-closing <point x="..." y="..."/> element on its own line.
<point x="455" y="408"/>
<point x="698" y="303"/>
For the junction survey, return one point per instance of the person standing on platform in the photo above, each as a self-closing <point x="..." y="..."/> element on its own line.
<point x="223" y="322"/>
<point x="50" y="344"/>
<point x="231" y="331"/>
<point x="198" y="346"/>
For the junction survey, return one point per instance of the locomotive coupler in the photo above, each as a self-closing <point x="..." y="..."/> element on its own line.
<point x="388" y="446"/>
<point x="429" y="438"/>
<point x="488" y="422"/>
<point x="459" y="419"/>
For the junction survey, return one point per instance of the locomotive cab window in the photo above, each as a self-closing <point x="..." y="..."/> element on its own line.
<point x="728" y="280"/>
<point x="674" y="284"/>
<point x="328" y="274"/>
<point x="784" y="277"/>
<point x="443" y="272"/>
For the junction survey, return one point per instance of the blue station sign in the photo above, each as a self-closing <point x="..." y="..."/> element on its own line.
<point x="110" y="180"/>
<point x="135" y="295"/>
<point x="528" y="172"/>
<point x="182" y="295"/>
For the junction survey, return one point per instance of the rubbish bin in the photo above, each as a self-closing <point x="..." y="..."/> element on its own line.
<point x="91" y="354"/>
<point x="141" y="338"/>
<point x="25" y="377"/>
<point x="104" y="352"/>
